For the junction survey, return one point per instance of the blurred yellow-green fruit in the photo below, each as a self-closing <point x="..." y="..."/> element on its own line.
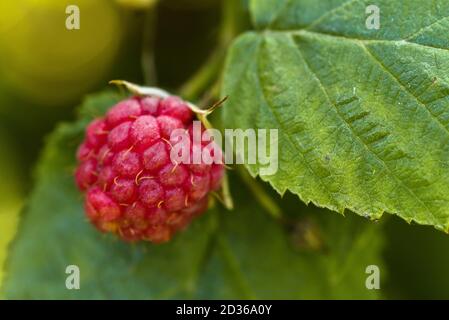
<point x="11" y="196"/>
<point x="42" y="59"/>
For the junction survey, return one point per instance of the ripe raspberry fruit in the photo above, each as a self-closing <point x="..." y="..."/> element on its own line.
<point x="133" y="188"/>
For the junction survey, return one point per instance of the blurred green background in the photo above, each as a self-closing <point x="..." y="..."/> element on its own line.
<point x="46" y="70"/>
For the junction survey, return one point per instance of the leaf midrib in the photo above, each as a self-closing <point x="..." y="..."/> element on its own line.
<point x="361" y="43"/>
<point x="310" y="33"/>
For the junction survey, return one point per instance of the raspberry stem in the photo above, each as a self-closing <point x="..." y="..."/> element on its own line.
<point x="148" y="38"/>
<point x="230" y="27"/>
<point x="264" y="199"/>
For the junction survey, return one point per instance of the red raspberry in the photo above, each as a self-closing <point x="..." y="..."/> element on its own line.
<point x="133" y="189"/>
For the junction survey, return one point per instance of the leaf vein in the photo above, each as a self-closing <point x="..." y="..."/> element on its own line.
<point x="329" y="13"/>
<point x="279" y="13"/>
<point x="416" y="33"/>
<point x="382" y="65"/>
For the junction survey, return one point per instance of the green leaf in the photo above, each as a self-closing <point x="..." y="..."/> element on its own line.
<point x="241" y="254"/>
<point x="255" y="259"/>
<point x="363" y="115"/>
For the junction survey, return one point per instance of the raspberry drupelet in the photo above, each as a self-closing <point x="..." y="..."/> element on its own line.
<point x="133" y="188"/>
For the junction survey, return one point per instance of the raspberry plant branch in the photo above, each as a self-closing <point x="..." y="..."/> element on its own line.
<point x="148" y="37"/>
<point x="231" y="26"/>
<point x="264" y="199"/>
